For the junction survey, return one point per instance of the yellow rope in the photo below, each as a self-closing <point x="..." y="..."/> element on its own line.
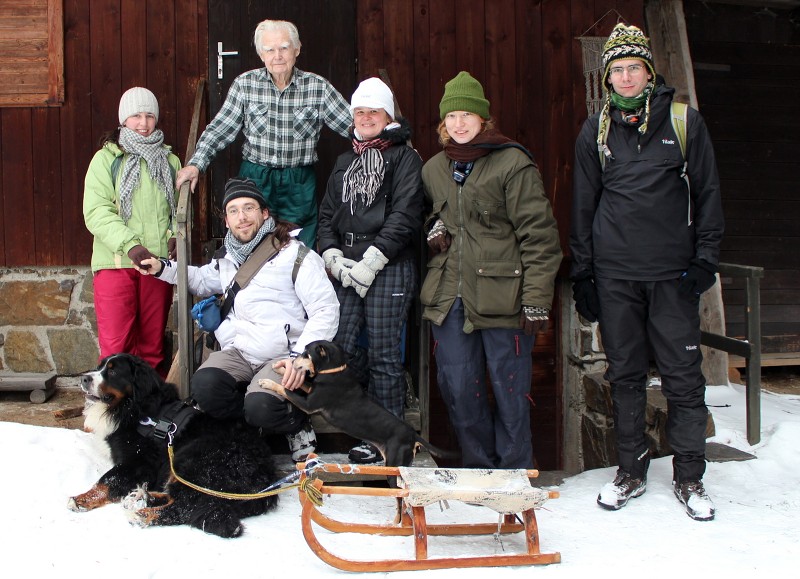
<point x="312" y="492"/>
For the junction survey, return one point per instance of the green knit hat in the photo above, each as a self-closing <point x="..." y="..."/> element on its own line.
<point x="464" y="93"/>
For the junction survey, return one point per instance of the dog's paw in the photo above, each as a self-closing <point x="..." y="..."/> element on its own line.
<point x="74" y="506"/>
<point x="136" y="499"/>
<point x="95" y="497"/>
<point x="269" y="384"/>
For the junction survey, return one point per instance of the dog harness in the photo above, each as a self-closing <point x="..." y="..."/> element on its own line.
<point x="173" y="418"/>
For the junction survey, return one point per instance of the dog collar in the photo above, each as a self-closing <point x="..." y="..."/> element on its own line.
<point x="333" y="370"/>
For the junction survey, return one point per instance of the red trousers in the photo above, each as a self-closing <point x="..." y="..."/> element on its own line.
<point x="132" y="311"/>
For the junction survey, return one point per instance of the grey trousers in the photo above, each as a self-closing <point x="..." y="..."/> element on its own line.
<point x="226" y="386"/>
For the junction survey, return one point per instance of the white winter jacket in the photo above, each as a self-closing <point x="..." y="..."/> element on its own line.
<point x="271" y="316"/>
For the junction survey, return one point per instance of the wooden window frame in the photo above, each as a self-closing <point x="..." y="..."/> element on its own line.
<point x="40" y="60"/>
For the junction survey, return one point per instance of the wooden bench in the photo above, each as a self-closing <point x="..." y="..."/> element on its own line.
<point x="41" y="386"/>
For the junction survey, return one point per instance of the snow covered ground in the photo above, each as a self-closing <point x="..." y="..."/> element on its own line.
<point x="757" y="528"/>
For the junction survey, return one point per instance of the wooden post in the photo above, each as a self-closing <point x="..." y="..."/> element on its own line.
<point x="666" y="26"/>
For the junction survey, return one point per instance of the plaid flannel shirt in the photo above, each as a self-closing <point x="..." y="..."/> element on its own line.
<point x="281" y="128"/>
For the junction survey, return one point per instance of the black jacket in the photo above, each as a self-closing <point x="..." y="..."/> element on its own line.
<point x="637" y="219"/>
<point x="393" y="222"/>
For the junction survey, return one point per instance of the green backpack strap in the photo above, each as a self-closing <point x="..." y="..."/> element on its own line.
<point x="302" y="252"/>
<point x="678" y="118"/>
<point x="115" y="169"/>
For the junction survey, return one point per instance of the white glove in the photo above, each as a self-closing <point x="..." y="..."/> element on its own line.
<point x="337" y="263"/>
<point x="363" y="273"/>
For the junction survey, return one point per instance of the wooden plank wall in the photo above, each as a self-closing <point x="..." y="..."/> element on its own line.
<point x="746" y="74"/>
<point x="526" y="55"/>
<point x="109" y="46"/>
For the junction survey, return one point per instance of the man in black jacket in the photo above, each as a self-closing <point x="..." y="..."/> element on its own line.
<point x="646" y="230"/>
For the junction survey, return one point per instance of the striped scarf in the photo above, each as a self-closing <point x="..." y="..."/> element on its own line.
<point x="155" y="155"/>
<point x="363" y="178"/>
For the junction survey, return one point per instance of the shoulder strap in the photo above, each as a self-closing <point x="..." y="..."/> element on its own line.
<point x="265" y="251"/>
<point x="262" y="254"/>
<point x="678" y="117"/>
<point x="115" y="169"/>
<point x="302" y="252"/>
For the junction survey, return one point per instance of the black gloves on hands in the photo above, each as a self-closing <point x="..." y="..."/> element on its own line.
<point x="137" y="253"/>
<point x="172" y="248"/>
<point x="699" y="277"/>
<point x="584" y="293"/>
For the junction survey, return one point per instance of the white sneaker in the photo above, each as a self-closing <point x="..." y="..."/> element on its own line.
<point x="693" y="496"/>
<point x="302" y="443"/>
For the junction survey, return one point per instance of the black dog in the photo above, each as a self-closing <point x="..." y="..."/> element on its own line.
<point x="333" y="392"/>
<point x="138" y="414"/>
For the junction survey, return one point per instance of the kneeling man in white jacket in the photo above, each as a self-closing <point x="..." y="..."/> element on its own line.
<point x="272" y="319"/>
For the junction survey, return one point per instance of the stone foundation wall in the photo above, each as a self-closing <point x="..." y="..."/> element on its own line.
<point x="47" y="321"/>
<point x="589" y="436"/>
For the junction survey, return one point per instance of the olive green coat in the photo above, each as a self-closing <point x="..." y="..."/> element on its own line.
<point x="505" y="249"/>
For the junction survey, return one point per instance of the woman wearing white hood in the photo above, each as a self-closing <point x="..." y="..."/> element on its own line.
<point x="369" y="219"/>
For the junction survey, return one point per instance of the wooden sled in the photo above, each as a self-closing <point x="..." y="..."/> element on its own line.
<point x="412" y="497"/>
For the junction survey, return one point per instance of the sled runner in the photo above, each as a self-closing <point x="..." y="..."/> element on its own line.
<point x="508" y="492"/>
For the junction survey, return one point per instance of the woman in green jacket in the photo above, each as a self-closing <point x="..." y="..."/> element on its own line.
<point x="489" y="286"/>
<point x="128" y="206"/>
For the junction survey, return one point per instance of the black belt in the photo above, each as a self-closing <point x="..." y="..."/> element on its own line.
<point x="350" y="238"/>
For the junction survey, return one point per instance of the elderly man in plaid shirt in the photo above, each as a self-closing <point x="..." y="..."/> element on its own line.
<point x="281" y="110"/>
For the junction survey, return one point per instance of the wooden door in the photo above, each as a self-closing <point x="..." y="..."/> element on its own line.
<point x="328" y="37"/>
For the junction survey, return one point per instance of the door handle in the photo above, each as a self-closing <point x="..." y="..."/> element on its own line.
<point x="221" y="53"/>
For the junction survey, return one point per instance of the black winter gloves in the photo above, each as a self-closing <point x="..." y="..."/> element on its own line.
<point x="699" y="277"/>
<point x="584" y="293"/>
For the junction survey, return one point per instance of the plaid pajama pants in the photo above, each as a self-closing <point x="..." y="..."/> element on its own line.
<point x="383" y="312"/>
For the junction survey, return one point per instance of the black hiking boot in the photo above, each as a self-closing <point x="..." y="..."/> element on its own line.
<point x="615" y="495"/>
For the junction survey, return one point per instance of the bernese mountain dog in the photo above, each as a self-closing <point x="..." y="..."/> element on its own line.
<point x="139" y="416"/>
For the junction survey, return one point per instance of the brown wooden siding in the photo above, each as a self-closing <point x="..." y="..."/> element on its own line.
<point x="109" y="46"/>
<point x="524" y="52"/>
<point x="526" y="55"/>
<point x="746" y="78"/>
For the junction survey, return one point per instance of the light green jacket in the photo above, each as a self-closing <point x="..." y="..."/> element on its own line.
<point x="505" y="251"/>
<point x="150" y="220"/>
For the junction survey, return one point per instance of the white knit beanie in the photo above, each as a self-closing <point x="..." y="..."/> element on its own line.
<point x="374" y="94"/>
<point x="137" y="100"/>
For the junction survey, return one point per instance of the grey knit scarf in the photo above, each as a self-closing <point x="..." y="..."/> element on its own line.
<point x="240" y="251"/>
<point x="155" y="155"/>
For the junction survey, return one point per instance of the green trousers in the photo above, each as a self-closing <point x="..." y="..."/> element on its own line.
<point x="290" y="193"/>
